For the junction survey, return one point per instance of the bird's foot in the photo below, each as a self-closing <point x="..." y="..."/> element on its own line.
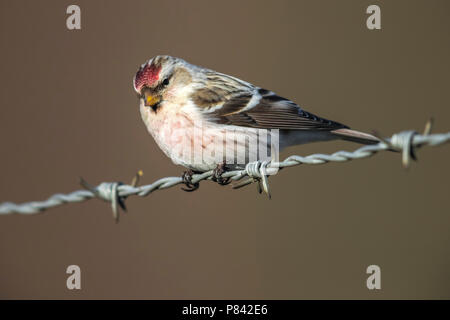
<point x="187" y="180"/>
<point x="217" y="174"/>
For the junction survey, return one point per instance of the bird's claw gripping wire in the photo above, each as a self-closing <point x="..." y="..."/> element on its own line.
<point x="217" y="175"/>
<point x="187" y="180"/>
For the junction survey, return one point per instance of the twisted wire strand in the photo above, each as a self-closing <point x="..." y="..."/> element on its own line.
<point x="115" y="192"/>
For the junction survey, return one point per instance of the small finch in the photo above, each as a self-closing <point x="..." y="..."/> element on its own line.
<point x="193" y="113"/>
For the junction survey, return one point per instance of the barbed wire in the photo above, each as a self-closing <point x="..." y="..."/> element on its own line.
<point x="116" y="192"/>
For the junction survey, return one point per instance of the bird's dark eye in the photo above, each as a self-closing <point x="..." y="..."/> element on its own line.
<point x="165" y="82"/>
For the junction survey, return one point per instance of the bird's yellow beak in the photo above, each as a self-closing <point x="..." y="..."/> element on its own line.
<point x="151" y="100"/>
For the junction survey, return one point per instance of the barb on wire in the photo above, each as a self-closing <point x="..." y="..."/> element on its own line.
<point x="116" y="192"/>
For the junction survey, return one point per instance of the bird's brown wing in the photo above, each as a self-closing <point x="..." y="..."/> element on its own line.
<point x="260" y="109"/>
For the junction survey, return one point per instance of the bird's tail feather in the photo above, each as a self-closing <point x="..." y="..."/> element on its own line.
<point x="355" y="136"/>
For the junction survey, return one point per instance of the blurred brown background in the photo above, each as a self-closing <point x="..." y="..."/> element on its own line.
<point x="68" y="110"/>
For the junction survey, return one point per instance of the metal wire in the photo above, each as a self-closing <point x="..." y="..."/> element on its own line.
<point x="116" y="193"/>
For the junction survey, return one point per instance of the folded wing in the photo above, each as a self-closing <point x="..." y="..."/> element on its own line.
<point x="260" y="108"/>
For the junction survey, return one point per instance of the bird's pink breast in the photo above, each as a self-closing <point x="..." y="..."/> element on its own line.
<point x="200" y="145"/>
<point x="179" y="136"/>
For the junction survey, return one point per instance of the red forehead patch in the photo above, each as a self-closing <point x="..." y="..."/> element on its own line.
<point x="146" y="76"/>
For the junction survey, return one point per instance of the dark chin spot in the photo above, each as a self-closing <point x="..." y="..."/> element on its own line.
<point x="156" y="106"/>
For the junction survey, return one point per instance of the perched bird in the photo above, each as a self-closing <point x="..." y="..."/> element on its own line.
<point x="206" y="120"/>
